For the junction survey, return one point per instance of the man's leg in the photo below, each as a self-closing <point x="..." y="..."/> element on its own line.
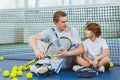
<point x="35" y="67"/>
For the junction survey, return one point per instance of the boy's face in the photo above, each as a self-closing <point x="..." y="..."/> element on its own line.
<point x="62" y="23"/>
<point x="89" y="34"/>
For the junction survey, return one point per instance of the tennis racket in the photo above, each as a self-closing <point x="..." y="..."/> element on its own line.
<point x="55" y="49"/>
<point x="87" y="72"/>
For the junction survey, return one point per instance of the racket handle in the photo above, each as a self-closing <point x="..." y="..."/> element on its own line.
<point x="31" y="62"/>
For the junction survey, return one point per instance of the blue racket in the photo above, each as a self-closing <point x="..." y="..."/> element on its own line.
<point x="87" y="72"/>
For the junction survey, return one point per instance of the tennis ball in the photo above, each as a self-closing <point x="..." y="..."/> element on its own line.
<point x="15" y="68"/>
<point x="0" y="69"/>
<point x="15" y="79"/>
<point x="13" y="75"/>
<point x="20" y="68"/>
<point x="6" y="73"/>
<point x="1" y="58"/>
<point x="26" y="68"/>
<point x="19" y="73"/>
<point x="111" y="64"/>
<point x="14" y="71"/>
<point x="29" y="75"/>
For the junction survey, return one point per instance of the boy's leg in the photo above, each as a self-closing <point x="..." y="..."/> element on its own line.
<point x="81" y="61"/>
<point x="105" y="62"/>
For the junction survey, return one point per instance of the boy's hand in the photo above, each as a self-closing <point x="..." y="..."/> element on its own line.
<point x="91" y="62"/>
<point x="95" y="63"/>
<point x="39" y="54"/>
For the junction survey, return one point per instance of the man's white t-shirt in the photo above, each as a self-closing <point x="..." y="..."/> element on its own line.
<point x="49" y="35"/>
<point x="95" y="48"/>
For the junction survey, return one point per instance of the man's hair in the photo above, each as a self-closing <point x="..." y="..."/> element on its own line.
<point x="94" y="27"/>
<point x="57" y="15"/>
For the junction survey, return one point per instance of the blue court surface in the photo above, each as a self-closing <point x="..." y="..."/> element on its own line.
<point x="112" y="74"/>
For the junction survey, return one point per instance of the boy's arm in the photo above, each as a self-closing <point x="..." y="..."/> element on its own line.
<point x="105" y="53"/>
<point x="34" y="46"/>
<point x="84" y="55"/>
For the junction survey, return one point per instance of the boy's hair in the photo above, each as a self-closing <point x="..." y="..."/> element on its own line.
<point x="57" y="15"/>
<point x="95" y="28"/>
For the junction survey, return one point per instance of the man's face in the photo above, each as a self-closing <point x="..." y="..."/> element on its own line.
<point x="62" y="23"/>
<point x="89" y="33"/>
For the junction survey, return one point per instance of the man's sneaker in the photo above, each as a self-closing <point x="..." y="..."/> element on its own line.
<point x="76" y="67"/>
<point x="101" y="69"/>
<point x="33" y="68"/>
<point x="41" y="70"/>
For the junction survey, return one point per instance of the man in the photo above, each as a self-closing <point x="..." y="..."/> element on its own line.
<point x="61" y="29"/>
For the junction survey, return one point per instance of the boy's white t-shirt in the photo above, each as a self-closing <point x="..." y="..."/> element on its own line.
<point x="95" y="48"/>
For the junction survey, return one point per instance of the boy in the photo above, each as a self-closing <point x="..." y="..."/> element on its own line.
<point x="96" y="50"/>
<point x="61" y="29"/>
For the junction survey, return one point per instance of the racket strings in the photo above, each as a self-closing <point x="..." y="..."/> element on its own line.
<point x="58" y="46"/>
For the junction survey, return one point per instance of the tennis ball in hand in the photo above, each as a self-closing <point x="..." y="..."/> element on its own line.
<point x="29" y="75"/>
<point x="111" y="64"/>
<point x="13" y="75"/>
<point x="6" y="73"/>
<point x="1" y="58"/>
<point x="19" y="73"/>
<point x="20" y="68"/>
<point x="15" y="79"/>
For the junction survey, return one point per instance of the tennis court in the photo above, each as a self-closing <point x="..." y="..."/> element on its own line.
<point x="17" y="25"/>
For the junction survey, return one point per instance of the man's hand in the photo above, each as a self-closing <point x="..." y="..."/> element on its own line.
<point x="39" y="54"/>
<point x="63" y="54"/>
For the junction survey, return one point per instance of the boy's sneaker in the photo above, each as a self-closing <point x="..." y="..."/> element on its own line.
<point x="107" y="67"/>
<point x="101" y="69"/>
<point x="76" y="67"/>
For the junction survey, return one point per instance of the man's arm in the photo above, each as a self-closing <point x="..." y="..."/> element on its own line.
<point x="34" y="46"/>
<point x="77" y="51"/>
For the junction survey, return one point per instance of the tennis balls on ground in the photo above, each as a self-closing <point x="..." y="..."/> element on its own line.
<point x="0" y="69"/>
<point x="15" y="68"/>
<point x="14" y="71"/>
<point x="14" y="78"/>
<point x="6" y="73"/>
<point x="111" y="64"/>
<point x="26" y="68"/>
<point x="29" y="75"/>
<point x="19" y="73"/>
<point x="13" y="75"/>
<point x="1" y="58"/>
<point x="20" y="68"/>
